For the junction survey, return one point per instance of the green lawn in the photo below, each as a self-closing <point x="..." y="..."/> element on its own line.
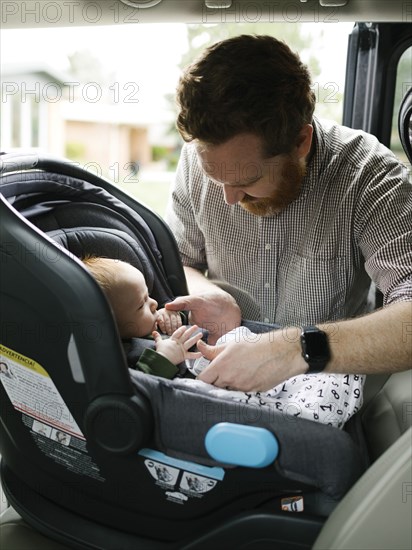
<point x="152" y="193"/>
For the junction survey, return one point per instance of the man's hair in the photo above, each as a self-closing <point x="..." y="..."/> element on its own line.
<point x="246" y="84"/>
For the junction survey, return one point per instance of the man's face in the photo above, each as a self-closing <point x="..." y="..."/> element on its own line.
<point x="262" y="186"/>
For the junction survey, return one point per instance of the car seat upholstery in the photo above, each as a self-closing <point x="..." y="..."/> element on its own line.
<point x="49" y="302"/>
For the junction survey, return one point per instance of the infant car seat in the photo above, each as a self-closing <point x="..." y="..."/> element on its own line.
<point x="95" y="455"/>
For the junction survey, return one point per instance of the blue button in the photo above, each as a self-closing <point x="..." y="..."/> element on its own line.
<point x="241" y="445"/>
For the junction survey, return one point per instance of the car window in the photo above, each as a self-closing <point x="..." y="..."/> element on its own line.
<point x="403" y="84"/>
<point x="106" y="99"/>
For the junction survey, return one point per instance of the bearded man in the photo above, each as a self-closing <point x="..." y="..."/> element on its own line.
<point x="299" y="214"/>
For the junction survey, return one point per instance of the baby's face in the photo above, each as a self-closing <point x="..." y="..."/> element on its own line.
<point x="135" y="312"/>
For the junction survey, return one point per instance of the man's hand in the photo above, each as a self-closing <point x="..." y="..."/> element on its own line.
<point x="217" y="312"/>
<point x="374" y="343"/>
<point x="168" y="321"/>
<point x="257" y="365"/>
<point x="176" y="348"/>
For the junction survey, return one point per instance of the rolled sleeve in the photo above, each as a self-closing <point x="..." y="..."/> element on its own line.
<point x="385" y="233"/>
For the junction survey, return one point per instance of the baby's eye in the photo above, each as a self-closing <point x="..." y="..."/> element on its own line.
<point x="145" y="299"/>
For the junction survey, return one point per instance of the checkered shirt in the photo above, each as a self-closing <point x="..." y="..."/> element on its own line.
<point x="314" y="261"/>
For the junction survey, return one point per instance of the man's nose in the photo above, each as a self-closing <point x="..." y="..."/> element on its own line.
<point x="232" y="195"/>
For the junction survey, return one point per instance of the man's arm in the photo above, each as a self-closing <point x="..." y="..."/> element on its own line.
<point x="197" y="282"/>
<point x="380" y="342"/>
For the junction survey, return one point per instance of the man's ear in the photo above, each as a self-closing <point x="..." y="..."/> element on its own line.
<point x="304" y="141"/>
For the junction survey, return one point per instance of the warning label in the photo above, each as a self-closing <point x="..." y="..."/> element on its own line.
<point x="181" y="479"/>
<point x="33" y="392"/>
<point x="44" y="412"/>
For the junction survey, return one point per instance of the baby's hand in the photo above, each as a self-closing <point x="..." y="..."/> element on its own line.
<point x="176" y="348"/>
<point x="168" y="321"/>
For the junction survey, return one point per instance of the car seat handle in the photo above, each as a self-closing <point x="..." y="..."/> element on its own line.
<point x="20" y="162"/>
<point x="241" y="445"/>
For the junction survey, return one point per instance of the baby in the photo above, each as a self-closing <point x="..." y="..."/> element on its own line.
<point x="327" y="398"/>
<point x="136" y="312"/>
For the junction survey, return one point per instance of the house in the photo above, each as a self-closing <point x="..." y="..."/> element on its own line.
<point x="30" y="108"/>
<point x="114" y="140"/>
<point x="43" y="109"/>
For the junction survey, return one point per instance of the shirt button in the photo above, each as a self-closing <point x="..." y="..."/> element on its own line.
<point x="268" y="246"/>
<point x="266" y="320"/>
<point x="267" y="285"/>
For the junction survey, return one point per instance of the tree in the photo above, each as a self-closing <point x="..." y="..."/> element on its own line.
<point x="202" y="36"/>
<point x="86" y="68"/>
<point x="298" y="36"/>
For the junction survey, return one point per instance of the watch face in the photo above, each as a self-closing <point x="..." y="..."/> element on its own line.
<point x="316" y="345"/>
<point x="315" y="348"/>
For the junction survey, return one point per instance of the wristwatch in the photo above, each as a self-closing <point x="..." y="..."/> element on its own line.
<point x="315" y="348"/>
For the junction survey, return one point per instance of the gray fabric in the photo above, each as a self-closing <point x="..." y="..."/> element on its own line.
<point x="388" y="415"/>
<point x="107" y="242"/>
<point x="309" y="452"/>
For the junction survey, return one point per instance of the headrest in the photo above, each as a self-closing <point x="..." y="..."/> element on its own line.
<point x="52" y="201"/>
<point x="106" y="242"/>
<point x="87" y="220"/>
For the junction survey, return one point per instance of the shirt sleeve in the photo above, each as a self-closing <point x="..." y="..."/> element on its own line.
<point x="151" y="362"/>
<point x="383" y="224"/>
<point x="181" y="213"/>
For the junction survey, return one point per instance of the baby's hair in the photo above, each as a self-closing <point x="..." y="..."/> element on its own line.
<point x="102" y="270"/>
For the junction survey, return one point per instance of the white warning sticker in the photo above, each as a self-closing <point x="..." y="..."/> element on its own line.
<point x="43" y="411"/>
<point x="181" y="479"/>
<point x="32" y="391"/>
<point x="195" y="484"/>
<point x="163" y="473"/>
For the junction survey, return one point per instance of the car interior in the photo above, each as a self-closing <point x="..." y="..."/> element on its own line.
<point x="94" y="455"/>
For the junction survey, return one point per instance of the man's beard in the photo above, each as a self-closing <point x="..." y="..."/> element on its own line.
<point x="288" y="190"/>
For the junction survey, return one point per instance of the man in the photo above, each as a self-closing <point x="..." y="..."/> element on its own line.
<point x="298" y="213"/>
